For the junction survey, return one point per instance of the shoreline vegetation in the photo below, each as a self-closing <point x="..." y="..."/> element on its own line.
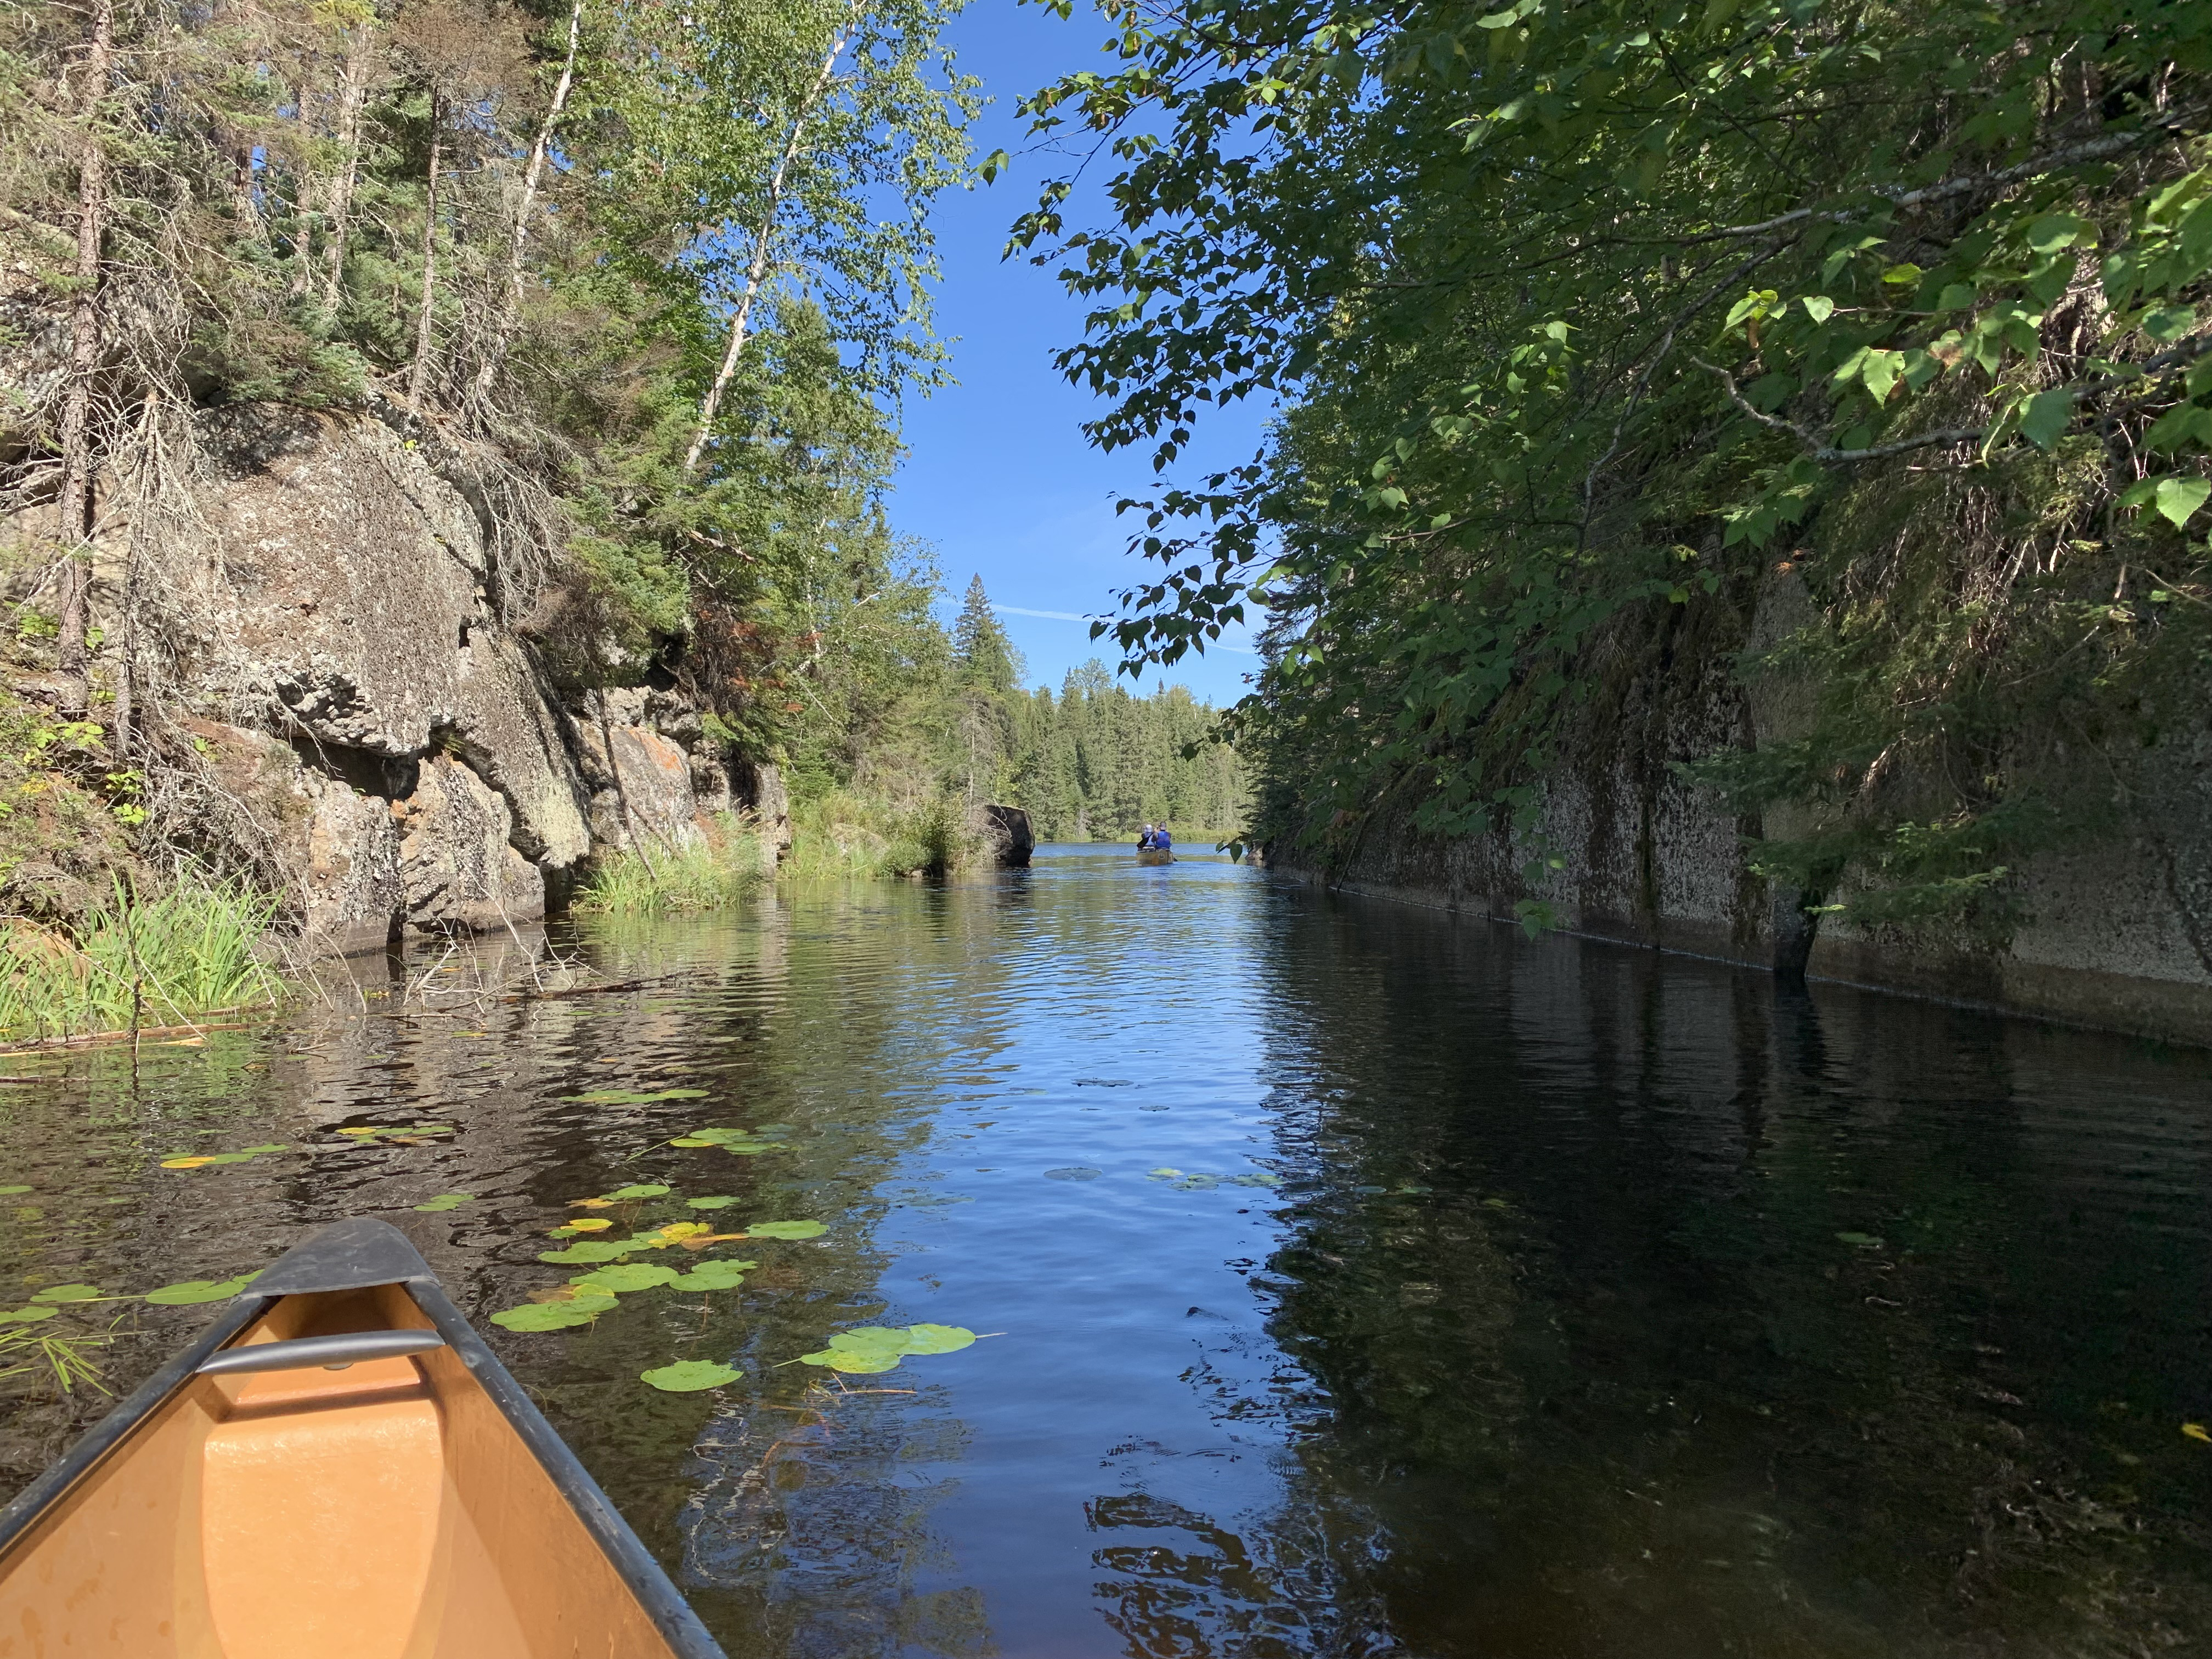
<point x="138" y="963"/>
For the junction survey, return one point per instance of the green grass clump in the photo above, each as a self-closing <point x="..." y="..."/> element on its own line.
<point x="719" y="868"/>
<point x="843" y="835"/>
<point x="138" y="961"/>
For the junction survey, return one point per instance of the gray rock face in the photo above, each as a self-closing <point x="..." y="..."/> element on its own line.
<point x="339" y="594"/>
<point x="641" y="781"/>
<point x="456" y="865"/>
<point x="338" y="846"/>
<point x="401" y="757"/>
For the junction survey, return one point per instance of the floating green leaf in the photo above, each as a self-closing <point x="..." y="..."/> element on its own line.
<point x="26" y="1316"/>
<point x="649" y="1190"/>
<point x="937" y="1339"/>
<point x="1864" y="1239"/>
<point x="1074" y="1172"/>
<point x="713" y="1276"/>
<point x="864" y="1362"/>
<point x="69" y="1294"/>
<point x="587" y="1251"/>
<point x="689" y="1376"/>
<point x="786" y="1229"/>
<point x="447" y="1201"/>
<point x="709" y="1203"/>
<point x="634" y="1097"/>
<point x="194" y="1290"/>
<point x="11" y="1192"/>
<point x="1163" y="1173"/>
<point x="554" y="1315"/>
<point x="626" y="1276"/>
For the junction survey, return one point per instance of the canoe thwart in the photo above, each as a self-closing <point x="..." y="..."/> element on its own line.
<point x="332" y="1353"/>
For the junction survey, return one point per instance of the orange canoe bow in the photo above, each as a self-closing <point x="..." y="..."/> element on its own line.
<point x="339" y="1468"/>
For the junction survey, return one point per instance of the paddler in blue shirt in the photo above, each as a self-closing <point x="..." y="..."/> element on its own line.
<point x="1161" y="841"/>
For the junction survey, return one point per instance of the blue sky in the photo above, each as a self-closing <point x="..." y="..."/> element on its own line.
<point x="997" y="478"/>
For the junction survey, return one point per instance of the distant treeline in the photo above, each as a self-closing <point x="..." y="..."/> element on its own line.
<point x="1094" y="762"/>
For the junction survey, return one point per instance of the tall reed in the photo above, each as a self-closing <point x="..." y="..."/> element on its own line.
<point x="719" y="868"/>
<point x="138" y="961"/>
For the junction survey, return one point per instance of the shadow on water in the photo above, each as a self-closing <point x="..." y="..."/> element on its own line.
<point x="1370" y="1283"/>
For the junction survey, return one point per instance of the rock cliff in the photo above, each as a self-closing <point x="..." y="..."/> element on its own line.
<point x="2115" y="932"/>
<point x="337" y="631"/>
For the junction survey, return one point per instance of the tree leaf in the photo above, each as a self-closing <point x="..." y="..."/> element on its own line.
<point x="1820" y="308"/>
<point x="2047" y="416"/>
<point x="2179" y="498"/>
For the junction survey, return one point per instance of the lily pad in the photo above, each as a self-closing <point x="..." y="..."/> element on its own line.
<point x="587" y="1251"/>
<point x="69" y="1294"/>
<point x="553" y="1315"/>
<point x="11" y="1192"/>
<point x="937" y="1339"/>
<point x="447" y="1201"/>
<point x="25" y="1315"/>
<point x="192" y="1291"/>
<point x="786" y="1229"/>
<point x="586" y="1225"/>
<point x="1276" y="1180"/>
<point x="1074" y="1172"/>
<point x="1163" y="1173"/>
<point x="866" y="1361"/>
<point x="713" y="1276"/>
<point x="1865" y="1241"/>
<point x="709" y="1203"/>
<point x="625" y="1276"/>
<point x="1203" y="1183"/>
<point x="201" y="1160"/>
<point x="650" y="1189"/>
<point x="689" y="1376"/>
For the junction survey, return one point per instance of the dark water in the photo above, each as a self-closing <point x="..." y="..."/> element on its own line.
<point x="1608" y="1304"/>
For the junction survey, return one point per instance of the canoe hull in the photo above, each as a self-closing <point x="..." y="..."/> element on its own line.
<point x="410" y="1507"/>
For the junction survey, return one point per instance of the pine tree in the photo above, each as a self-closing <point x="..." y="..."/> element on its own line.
<point x="986" y="657"/>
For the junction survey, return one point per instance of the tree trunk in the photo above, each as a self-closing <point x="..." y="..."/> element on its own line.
<point x="73" y="519"/>
<point x="429" y="265"/>
<point x="756" y="270"/>
<point x="349" y="107"/>
<point x="496" y="350"/>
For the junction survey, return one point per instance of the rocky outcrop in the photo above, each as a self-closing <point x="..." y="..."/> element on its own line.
<point x="1012" y="841"/>
<point x="396" y="754"/>
<point x="2116" y="934"/>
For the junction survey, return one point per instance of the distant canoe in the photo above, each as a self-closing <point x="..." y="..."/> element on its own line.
<point x="338" y="1469"/>
<point x="1155" y="855"/>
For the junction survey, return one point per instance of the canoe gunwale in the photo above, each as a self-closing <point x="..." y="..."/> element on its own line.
<point x="663" y="1602"/>
<point x="93" y="1447"/>
<point x="362" y="1253"/>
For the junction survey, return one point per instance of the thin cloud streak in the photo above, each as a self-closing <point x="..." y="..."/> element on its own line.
<point x="1070" y="616"/>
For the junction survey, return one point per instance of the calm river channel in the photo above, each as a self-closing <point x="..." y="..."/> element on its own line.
<point x="1369" y="1283"/>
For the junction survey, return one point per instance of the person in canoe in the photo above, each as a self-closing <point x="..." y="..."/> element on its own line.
<point x="1145" y="839"/>
<point x="1162" y="842"/>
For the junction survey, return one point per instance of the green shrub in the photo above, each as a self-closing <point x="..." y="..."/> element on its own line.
<point x="138" y="961"/>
